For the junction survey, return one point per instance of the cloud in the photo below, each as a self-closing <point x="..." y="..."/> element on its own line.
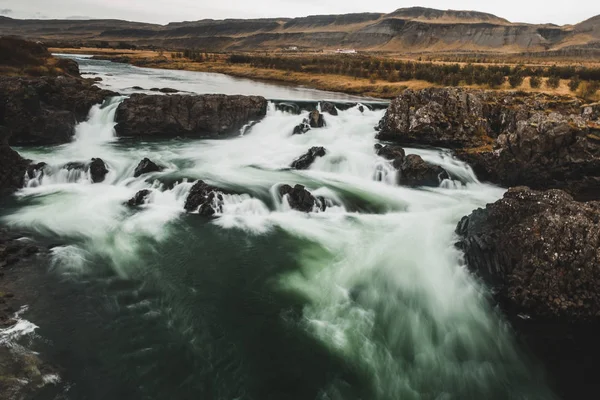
<point x="6" y="11"/>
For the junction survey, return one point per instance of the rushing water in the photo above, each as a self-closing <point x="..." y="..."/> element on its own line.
<point x="367" y="300"/>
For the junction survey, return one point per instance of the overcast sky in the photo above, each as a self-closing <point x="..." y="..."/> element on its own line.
<point x="164" y="11"/>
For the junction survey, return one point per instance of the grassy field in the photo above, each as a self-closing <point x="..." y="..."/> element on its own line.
<point x="372" y="86"/>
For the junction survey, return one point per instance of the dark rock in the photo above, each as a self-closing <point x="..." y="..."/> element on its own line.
<point x="316" y="120"/>
<point x="139" y="198"/>
<point x="391" y="153"/>
<point x="545" y="151"/>
<point x="97" y="79"/>
<point x="184" y="115"/>
<point x="302" y="128"/>
<point x="40" y="111"/>
<point x="289" y="108"/>
<point x="138" y="88"/>
<point x="414" y="171"/>
<point x="73" y="165"/>
<point x="448" y="117"/>
<point x="539" y="250"/>
<point x="168" y="90"/>
<point x="12" y="168"/>
<point x="361" y="109"/>
<point x="205" y="199"/>
<point x="98" y="170"/>
<point x="307" y="159"/>
<point x="146" y="166"/>
<point x="301" y="199"/>
<point x="328" y="107"/>
<point x="32" y="169"/>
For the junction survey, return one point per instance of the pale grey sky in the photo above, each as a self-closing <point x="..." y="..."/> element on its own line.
<point x="163" y="11"/>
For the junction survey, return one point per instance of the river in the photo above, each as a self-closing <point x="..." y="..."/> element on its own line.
<point x="367" y="300"/>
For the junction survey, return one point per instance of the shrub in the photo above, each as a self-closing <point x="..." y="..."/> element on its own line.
<point x="535" y="82"/>
<point x="516" y="79"/>
<point x="574" y="84"/>
<point x="553" y="82"/>
<point x="587" y="90"/>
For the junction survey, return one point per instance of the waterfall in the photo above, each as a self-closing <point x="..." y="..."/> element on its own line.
<point x="382" y="286"/>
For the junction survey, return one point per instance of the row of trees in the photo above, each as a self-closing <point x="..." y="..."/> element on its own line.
<point x="439" y="73"/>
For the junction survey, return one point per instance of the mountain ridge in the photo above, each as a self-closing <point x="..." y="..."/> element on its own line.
<point x="414" y="29"/>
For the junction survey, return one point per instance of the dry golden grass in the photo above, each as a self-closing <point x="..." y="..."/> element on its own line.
<point x="337" y="83"/>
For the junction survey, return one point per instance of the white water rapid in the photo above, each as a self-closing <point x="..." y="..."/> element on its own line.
<point x="386" y="290"/>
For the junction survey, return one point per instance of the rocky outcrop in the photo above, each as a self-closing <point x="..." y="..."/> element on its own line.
<point x="205" y="199"/>
<point x="139" y="198"/>
<point x="301" y="199"/>
<point x="316" y="119"/>
<point x="98" y="170"/>
<point x="182" y="115"/>
<point x="12" y="168"/>
<point x="146" y="166"/>
<point x="540" y="251"/>
<point x="511" y="139"/>
<point x="302" y="128"/>
<point x="309" y="158"/>
<point x="414" y="171"/>
<point x="329" y="108"/>
<point x="41" y="111"/>
<point x="448" y="117"/>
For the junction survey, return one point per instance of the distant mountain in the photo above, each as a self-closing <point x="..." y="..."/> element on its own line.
<point x="415" y="29"/>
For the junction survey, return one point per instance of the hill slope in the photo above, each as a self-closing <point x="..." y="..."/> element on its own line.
<point x="414" y="29"/>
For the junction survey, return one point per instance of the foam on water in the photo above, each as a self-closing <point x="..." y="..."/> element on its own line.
<point x="388" y="290"/>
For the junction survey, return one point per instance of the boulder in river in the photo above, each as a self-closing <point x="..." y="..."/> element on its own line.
<point x="98" y="170"/>
<point x="306" y="160"/>
<point x="139" y="198"/>
<point x="301" y="199"/>
<point x="205" y="199"/>
<point x="302" y="128"/>
<point x="12" y="168"/>
<point x="392" y="153"/>
<point x="177" y="115"/>
<point x="146" y="166"/>
<point x="315" y="119"/>
<point x="329" y="108"/>
<point x="414" y="171"/>
<point x="540" y="251"/>
<point x="45" y="110"/>
<point x="34" y="169"/>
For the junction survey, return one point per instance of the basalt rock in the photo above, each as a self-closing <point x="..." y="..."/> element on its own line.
<point x="205" y="199"/>
<point x="307" y="159"/>
<point x="146" y="166"/>
<point x="302" y="128"/>
<point x="392" y="153"/>
<point x="540" y="251"/>
<point x="537" y="140"/>
<point x="12" y="168"/>
<point x="329" y="108"/>
<point x="34" y="169"/>
<point x="414" y="171"/>
<point x="139" y="198"/>
<point x="41" y="111"/>
<point x="316" y="120"/>
<point x="186" y="115"/>
<point x="301" y="199"/>
<point x="98" y="170"/>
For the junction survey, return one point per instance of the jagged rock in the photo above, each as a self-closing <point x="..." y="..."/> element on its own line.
<point x="316" y="120"/>
<point x="328" y="107"/>
<point x="414" y="171"/>
<point x="185" y="115"/>
<point x="448" y="117"/>
<point x="12" y="168"/>
<point x="205" y="199"/>
<point x="98" y="170"/>
<point x="307" y="159"/>
<point x="540" y="251"/>
<point x="40" y="111"/>
<point x="302" y="128"/>
<point x="301" y="199"/>
<point x="139" y="198"/>
<point x="33" y="168"/>
<point x="146" y="166"/>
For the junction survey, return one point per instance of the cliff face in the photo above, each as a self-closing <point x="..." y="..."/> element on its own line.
<point x="414" y="29"/>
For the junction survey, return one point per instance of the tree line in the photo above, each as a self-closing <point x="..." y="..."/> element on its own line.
<point x="438" y="73"/>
